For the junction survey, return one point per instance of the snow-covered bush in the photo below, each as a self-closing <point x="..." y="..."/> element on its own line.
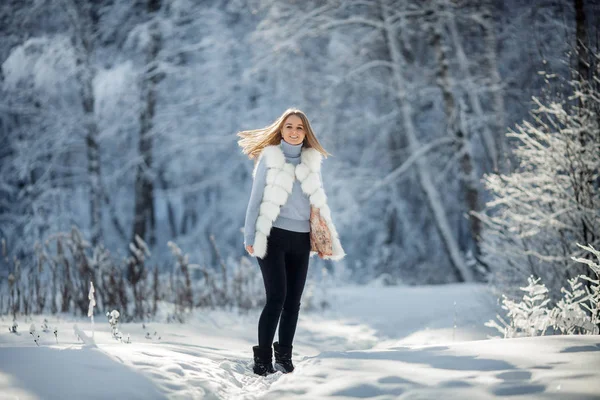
<point x="578" y="312"/>
<point x="137" y="275"/>
<point x="552" y="200"/>
<point x="528" y="317"/>
<point x="590" y="298"/>
<point x="113" y="320"/>
<point x="182" y="282"/>
<point x="92" y="304"/>
<point x="34" y="334"/>
<point x="74" y="264"/>
<point x="569" y="316"/>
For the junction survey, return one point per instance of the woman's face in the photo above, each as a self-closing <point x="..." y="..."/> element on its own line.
<point x="293" y="130"/>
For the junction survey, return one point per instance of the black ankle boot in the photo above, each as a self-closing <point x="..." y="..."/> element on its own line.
<point x="263" y="361"/>
<point x="283" y="358"/>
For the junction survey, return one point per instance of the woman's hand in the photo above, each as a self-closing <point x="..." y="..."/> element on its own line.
<point x="250" y="249"/>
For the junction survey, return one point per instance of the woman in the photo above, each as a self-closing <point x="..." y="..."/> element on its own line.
<point x="287" y="221"/>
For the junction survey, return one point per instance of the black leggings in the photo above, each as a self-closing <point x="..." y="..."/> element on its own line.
<point x="284" y="270"/>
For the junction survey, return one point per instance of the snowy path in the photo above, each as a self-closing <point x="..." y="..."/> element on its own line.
<point x="383" y="343"/>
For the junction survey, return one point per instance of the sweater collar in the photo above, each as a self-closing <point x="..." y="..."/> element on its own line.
<point x="291" y="150"/>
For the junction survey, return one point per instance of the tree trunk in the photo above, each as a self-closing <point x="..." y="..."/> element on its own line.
<point x="144" y="216"/>
<point x="582" y="45"/>
<point x="468" y="178"/>
<point x="170" y="209"/>
<point x="189" y="219"/>
<point x="496" y="83"/>
<point x="471" y="89"/>
<point x="391" y="37"/>
<point x="83" y="20"/>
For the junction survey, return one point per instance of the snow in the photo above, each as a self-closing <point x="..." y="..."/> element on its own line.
<point x="45" y="63"/>
<point x="375" y="341"/>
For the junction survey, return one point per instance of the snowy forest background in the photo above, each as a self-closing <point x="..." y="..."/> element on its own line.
<point x="118" y="119"/>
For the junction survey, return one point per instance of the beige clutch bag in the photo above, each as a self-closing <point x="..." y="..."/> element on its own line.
<point x="320" y="237"/>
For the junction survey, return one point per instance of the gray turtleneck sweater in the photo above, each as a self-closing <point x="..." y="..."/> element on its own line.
<point x="294" y="215"/>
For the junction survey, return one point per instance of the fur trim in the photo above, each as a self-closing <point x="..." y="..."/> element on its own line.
<point x="275" y="194"/>
<point x="263" y="225"/>
<point x="318" y="198"/>
<point x="260" y="245"/>
<point x="269" y="210"/>
<point x="273" y="156"/>
<point x="302" y="171"/>
<point x="311" y="183"/>
<point x="312" y="158"/>
<point x="283" y="180"/>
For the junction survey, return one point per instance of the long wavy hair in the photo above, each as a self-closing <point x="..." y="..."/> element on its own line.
<point x="254" y="141"/>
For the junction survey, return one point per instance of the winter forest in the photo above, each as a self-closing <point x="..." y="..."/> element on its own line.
<point x="464" y="137"/>
<point x="465" y="150"/>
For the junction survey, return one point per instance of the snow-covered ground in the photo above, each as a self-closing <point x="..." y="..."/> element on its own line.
<point x="374" y="342"/>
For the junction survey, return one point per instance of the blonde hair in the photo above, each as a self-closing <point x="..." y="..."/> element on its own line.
<point x="254" y="141"/>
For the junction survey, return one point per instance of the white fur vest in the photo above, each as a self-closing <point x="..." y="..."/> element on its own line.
<point x="279" y="184"/>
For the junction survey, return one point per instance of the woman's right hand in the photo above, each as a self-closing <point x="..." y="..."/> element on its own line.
<point x="250" y="249"/>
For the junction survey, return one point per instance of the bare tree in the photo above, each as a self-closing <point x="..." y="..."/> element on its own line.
<point x="582" y="43"/>
<point x="83" y="16"/>
<point x="471" y="88"/>
<point x="455" y="121"/>
<point x="144" y="216"/>
<point x="487" y="13"/>
<point x="390" y="30"/>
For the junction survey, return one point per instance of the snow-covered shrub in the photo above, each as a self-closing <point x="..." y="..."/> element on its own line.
<point x="45" y="327"/>
<point x="247" y="289"/>
<point x="569" y="316"/>
<point x="113" y="320"/>
<point x="552" y="200"/>
<point x="236" y="285"/>
<point x="91" y="305"/>
<point x="72" y="262"/>
<point x="591" y="301"/>
<point x="34" y="334"/>
<point x="137" y="274"/>
<point x="528" y="317"/>
<point x="578" y="312"/>
<point x="316" y="295"/>
<point x="182" y="280"/>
